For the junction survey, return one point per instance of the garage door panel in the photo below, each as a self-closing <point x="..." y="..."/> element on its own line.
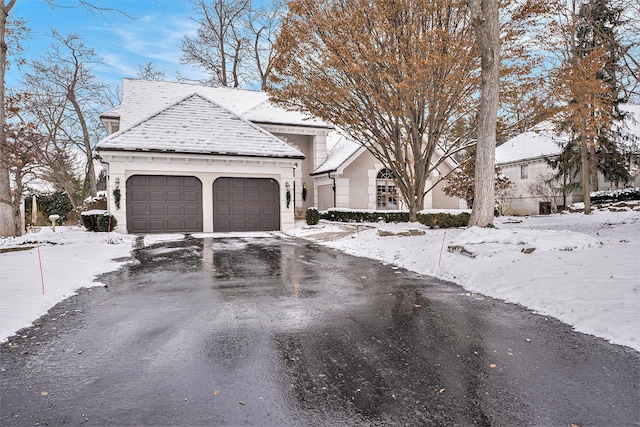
<point x="175" y="210"/>
<point x="190" y="225"/>
<point x="254" y="197"/>
<point x="160" y="204"/>
<point x="223" y="210"/>
<point x="269" y="211"/>
<point x="137" y="210"/>
<point x="246" y="204"/>
<point x="189" y="210"/>
<point x="270" y="197"/>
<point x="157" y="226"/>
<point x="255" y="211"/>
<point x="222" y="197"/>
<point x="190" y="196"/>
<point x="176" y="181"/>
<point x="175" y="225"/>
<point x="157" y="196"/>
<point x="138" y="196"/>
<point x="193" y="183"/>
<point x="156" y="210"/>
<point x="157" y="181"/>
<point x="173" y="196"/>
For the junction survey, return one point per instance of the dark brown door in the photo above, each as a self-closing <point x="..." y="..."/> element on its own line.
<point x="246" y="204"/>
<point x="164" y="204"/>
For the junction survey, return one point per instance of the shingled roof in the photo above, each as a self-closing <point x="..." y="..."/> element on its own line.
<point x="196" y="124"/>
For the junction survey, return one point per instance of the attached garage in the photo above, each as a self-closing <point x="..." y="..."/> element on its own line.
<point x="164" y="204"/>
<point x="246" y="204"/>
<point x="196" y="166"/>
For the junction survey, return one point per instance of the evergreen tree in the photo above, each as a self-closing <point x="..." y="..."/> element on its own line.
<point x="597" y="33"/>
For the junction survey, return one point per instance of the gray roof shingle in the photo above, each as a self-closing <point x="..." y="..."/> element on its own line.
<point x="198" y="125"/>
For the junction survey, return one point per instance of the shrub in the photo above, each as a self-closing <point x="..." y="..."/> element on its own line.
<point x="97" y="220"/>
<point x="364" y="216"/>
<point x="613" y="196"/>
<point x="433" y="220"/>
<point x="444" y="220"/>
<point x="107" y="223"/>
<point x="56" y="203"/>
<point x="312" y="216"/>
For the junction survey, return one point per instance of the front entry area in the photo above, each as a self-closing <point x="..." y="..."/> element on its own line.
<point x="246" y="204"/>
<point x="164" y="204"/>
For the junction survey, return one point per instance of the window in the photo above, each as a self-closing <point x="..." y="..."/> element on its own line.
<point x="386" y="192"/>
<point x="524" y="172"/>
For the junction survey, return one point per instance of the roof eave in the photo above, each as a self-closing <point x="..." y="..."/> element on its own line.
<point x="202" y="153"/>
<point x="264" y="122"/>
<point x="527" y="159"/>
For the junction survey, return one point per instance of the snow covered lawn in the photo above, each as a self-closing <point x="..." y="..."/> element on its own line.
<point x="583" y="270"/>
<point x="72" y="258"/>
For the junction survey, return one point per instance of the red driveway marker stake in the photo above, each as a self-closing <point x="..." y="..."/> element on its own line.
<point x="40" y="260"/>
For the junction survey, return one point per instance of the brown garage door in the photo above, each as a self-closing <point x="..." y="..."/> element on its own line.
<point x="246" y="204"/>
<point x="164" y="204"/>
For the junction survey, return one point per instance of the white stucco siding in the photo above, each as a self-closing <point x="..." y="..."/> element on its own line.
<point x="207" y="169"/>
<point x="522" y="202"/>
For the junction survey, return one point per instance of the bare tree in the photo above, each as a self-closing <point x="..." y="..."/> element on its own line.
<point x="460" y="182"/>
<point x="545" y="187"/>
<point x="263" y="24"/>
<point x="219" y="46"/>
<point x="234" y="41"/>
<point x="7" y="225"/>
<point x="66" y="99"/>
<point x="24" y="146"/>
<point x="148" y="71"/>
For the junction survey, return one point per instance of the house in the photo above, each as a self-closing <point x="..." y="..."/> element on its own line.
<point x="522" y="160"/>
<point x="189" y="158"/>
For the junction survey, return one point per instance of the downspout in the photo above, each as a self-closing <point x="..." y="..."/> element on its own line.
<point x="334" y="188"/>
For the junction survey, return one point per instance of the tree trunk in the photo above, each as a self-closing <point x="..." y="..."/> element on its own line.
<point x="90" y="176"/>
<point x="17" y="204"/>
<point x="7" y="221"/>
<point x="593" y="167"/>
<point x="586" y="188"/>
<point x="484" y="15"/>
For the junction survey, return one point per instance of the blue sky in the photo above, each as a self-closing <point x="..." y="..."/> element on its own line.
<point x="153" y="34"/>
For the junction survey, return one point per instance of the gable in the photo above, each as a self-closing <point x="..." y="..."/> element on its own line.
<point x="198" y="125"/>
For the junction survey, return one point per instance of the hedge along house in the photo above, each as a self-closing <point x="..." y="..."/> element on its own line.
<point x="187" y="158"/>
<point x="522" y="159"/>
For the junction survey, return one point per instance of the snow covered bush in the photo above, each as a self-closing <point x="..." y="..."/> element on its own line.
<point x="609" y="196"/>
<point x="313" y="216"/>
<point x="98" y="220"/>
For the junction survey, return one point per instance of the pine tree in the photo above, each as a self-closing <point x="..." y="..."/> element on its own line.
<point x="591" y="81"/>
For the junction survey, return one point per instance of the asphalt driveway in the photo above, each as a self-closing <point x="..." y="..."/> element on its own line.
<point x="279" y="332"/>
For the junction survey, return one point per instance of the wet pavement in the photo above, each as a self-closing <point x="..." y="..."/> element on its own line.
<point x="271" y="332"/>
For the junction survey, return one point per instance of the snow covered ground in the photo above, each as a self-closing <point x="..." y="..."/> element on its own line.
<point x="71" y="258"/>
<point x="583" y="270"/>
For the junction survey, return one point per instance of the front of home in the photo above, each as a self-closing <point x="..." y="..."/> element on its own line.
<point x="523" y="159"/>
<point x="188" y="158"/>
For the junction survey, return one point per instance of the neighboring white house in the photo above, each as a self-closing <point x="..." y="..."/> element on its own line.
<point x="522" y="159"/>
<point x="188" y="158"/>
